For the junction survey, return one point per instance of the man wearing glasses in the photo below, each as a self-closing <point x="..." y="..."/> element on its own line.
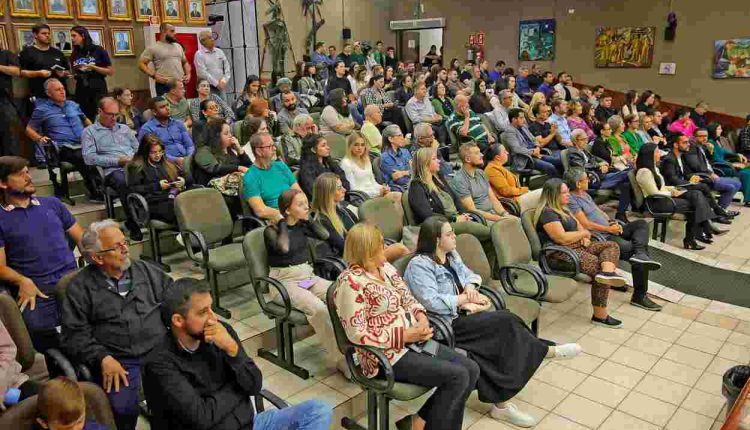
<point x="111" y="145"/>
<point x="111" y="318"/>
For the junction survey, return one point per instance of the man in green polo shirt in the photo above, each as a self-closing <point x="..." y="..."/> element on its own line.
<point x="467" y="125"/>
<point x="179" y="107"/>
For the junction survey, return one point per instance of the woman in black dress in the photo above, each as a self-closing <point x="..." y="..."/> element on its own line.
<point x="90" y="64"/>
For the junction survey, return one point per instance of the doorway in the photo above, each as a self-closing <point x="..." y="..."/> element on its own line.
<point x="413" y="45"/>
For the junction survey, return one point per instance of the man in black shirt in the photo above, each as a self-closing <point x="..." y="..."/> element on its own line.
<point x="605" y="109"/>
<point x="9" y="126"/>
<point x="698" y="115"/>
<point x="339" y="80"/>
<point x="200" y="376"/>
<point x="41" y="61"/>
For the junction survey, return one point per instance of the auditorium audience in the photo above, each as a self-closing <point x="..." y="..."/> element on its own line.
<point x="505" y="183"/>
<point x="357" y="167"/>
<point x="479" y="101"/>
<point x="395" y="160"/>
<point x="212" y="65"/>
<point x="110" y="316"/>
<point x="168" y="58"/>
<point x="259" y="109"/>
<point x="361" y="292"/>
<point x="251" y="91"/>
<point x="127" y="113"/>
<point x="61" y="405"/>
<point x="221" y="162"/>
<point x="205" y="92"/>
<point x="577" y="120"/>
<point x="41" y="61"/>
<point x="405" y="91"/>
<point x="537" y="99"/>
<point x="633" y="135"/>
<point x="472" y="187"/>
<point x="290" y="108"/>
<point x="697" y="161"/>
<point x="316" y="160"/>
<point x="546" y="87"/>
<point x="618" y="145"/>
<point x="466" y="125"/>
<point x="559" y="113"/>
<point x="309" y="88"/>
<point x="171" y="132"/>
<point x="370" y="132"/>
<point x="743" y="138"/>
<point x="90" y="65"/>
<point x="419" y="109"/>
<point x="291" y="141"/>
<point x="339" y="81"/>
<point x="498" y="116"/>
<point x="629" y="106"/>
<point x="646" y="102"/>
<point x="545" y="132"/>
<point x="518" y="139"/>
<point x="13" y="381"/>
<point x="336" y="117"/>
<point x="605" y="110"/>
<point x="682" y="123"/>
<point x="698" y="115"/>
<point x="179" y="107"/>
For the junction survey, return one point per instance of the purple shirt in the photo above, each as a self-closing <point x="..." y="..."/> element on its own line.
<point x="546" y="89"/>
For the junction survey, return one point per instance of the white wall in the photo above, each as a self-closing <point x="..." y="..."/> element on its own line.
<point x="427" y="38"/>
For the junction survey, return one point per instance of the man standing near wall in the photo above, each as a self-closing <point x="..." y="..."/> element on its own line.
<point x="168" y="58"/>
<point x="211" y="64"/>
<point x="8" y="113"/>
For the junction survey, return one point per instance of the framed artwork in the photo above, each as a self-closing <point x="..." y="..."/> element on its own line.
<point x="90" y="9"/>
<point x="97" y="35"/>
<point x="3" y="38"/>
<point x="731" y="58"/>
<point x="144" y="9"/>
<point x="122" y="41"/>
<point x="24" y="8"/>
<point x="536" y="40"/>
<point x="624" y="47"/>
<point x="195" y="12"/>
<point x="60" y="38"/>
<point x="24" y="36"/>
<point x="118" y="10"/>
<point x="171" y="11"/>
<point x="61" y="9"/>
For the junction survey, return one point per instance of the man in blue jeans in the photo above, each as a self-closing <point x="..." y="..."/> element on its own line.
<point x="200" y="377"/>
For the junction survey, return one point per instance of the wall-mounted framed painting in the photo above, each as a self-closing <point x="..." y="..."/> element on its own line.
<point x="536" y="40"/>
<point x="97" y="35"/>
<point x="58" y="9"/>
<point x="24" y="36"/>
<point x="122" y="41"/>
<point x="624" y="47"/>
<point x="60" y="38"/>
<point x="118" y="10"/>
<point x="195" y="12"/>
<point x="4" y="38"/>
<point x="24" y="8"/>
<point x="144" y="9"/>
<point x="171" y="11"/>
<point x="731" y="58"/>
<point x="90" y="9"/>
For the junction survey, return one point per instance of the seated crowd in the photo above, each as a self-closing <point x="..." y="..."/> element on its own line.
<point x="456" y="149"/>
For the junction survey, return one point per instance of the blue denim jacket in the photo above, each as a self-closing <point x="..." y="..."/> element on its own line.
<point x="391" y="161"/>
<point x="432" y="284"/>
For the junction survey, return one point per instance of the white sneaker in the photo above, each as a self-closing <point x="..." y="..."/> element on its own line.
<point x="568" y="350"/>
<point x="513" y="415"/>
<point x="179" y="240"/>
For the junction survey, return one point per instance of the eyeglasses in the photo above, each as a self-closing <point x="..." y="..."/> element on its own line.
<point x="156" y="153"/>
<point x="120" y="246"/>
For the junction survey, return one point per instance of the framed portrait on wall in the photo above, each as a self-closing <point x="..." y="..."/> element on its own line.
<point x="24" y="36"/>
<point x="60" y="38"/>
<point x="536" y="40"/>
<point x="171" y="11"/>
<point x="144" y="9"/>
<point x="61" y="9"/>
<point x="97" y="35"/>
<point x="118" y="10"/>
<point x="122" y="41"/>
<point x="195" y="12"/>
<point x="624" y="47"/>
<point x="24" y="8"/>
<point x="3" y="38"/>
<point x="90" y="9"/>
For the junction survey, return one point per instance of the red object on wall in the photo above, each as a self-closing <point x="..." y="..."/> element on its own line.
<point x="189" y="42"/>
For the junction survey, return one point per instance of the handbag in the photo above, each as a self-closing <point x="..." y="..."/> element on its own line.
<point x="228" y="185"/>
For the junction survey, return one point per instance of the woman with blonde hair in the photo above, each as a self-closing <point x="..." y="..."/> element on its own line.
<point x="357" y="168"/>
<point x="537" y="99"/>
<point x="328" y="195"/>
<point x="576" y="120"/>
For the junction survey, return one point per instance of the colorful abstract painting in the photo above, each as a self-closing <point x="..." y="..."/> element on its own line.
<point x="731" y="58"/>
<point x="624" y="47"/>
<point x="536" y="40"/>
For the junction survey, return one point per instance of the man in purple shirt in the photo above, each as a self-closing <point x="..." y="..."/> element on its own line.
<point x="34" y="249"/>
<point x="173" y="134"/>
<point x="547" y="87"/>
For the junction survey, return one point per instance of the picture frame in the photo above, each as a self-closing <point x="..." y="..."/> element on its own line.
<point x="4" y="38"/>
<point x="171" y="11"/>
<point x="98" y="35"/>
<point x="60" y="35"/>
<point x="536" y="40"/>
<point x="144" y="9"/>
<point x="24" y="8"/>
<point x="195" y="12"/>
<point x="24" y="36"/>
<point x="731" y="58"/>
<point x="118" y="10"/>
<point x="58" y="9"/>
<point x="122" y="41"/>
<point x="90" y="9"/>
<point x="624" y="47"/>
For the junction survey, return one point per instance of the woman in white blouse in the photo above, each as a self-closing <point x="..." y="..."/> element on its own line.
<point x="358" y="169"/>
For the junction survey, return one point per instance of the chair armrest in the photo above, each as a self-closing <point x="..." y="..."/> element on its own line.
<point x="356" y="197"/>
<point x="597" y="237"/>
<point x="508" y="280"/>
<point x="495" y="298"/>
<point x="388" y="242"/>
<point x="620" y="223"/>
<point x="648" y="201"/>
<point x="476" y="217"/>
<point x="375" y="384"/>
<point x="280" y="288"/>
<point x="84" y="373"/>
<point x="511" y="206"/>
<point x="706" y="176"/>
<point x="544" y="261"/>
<point x="250" y="222"/>
<point x="138" y="207"/>
<point x="717" y="171"/>
<point x="545" y="151"/>
<point x="329" y="267"/>
<point x="275" y="400"/>
<point x="444" y="329"/>
<point x="61" y="362"/>
<point x="187" y="236"/>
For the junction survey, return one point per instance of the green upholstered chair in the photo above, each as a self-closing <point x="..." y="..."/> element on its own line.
<point x="204" y="219"/>
<point x="337" y="143"/>
<point x="382" y="212"/>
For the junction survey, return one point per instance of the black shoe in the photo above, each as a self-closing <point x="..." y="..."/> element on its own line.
<point x="647" y="262"/>
<point x="622" y="217"/>
<point x="622" y="289"/>
<point x="732" y="214"/>
<point x="720" y="211"/>
<point x="715" y="230"/>
<point x="692" y="244"/>
<point x="703" y="238"/>
<point x="723" y="220"/>
<point x="610" y="278"/>
<point x="608" y="322"/>
<point x="644" y="302"/>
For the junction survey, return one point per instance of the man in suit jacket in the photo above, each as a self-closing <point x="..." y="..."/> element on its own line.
<point x="675" y="174"/>
<point x="697" y="161"/>
<point x="519" y="141"/>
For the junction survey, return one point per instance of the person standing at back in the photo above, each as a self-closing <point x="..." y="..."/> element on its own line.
<point x="168" y="58"/>
<point x="41" y="61"/>
<point x="8" y="113"/>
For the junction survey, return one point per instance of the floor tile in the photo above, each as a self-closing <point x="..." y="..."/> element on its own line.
<point x="487" y="423"/>
<point x="691" y="357"/>
<point x="471" y="417"/>
<point x="647" y="408"/>
<point x="556" y="422"/>
<point x="671" y="320"/>
<point x="338" y="382"/>
<point x="707" y="330"/>
<point x="560" y="376"/>
<point x="687" y="420"/>
<point x="634" y="358"/>
<point x="710" y="383"/>
<point x="676" y="372"/>
<point x="663" y="389"/>
<point x="743" y="327"/>
<point x="735" y="352"/>
<point x="695" y="302"/>
<point x="703" y="403"/>
<point x="612" y="336"/>
<point x="701" y="343"/>
<point x="583" y="411"/>
<point x="660" y="331"/>
<point x="681" y="311"/>
<point x="619" y="374"/>
<point x="319" y="391"/>
<point x="601" y="391"/>
<point x="541" y="394"/>
<point x="622" y="421"/>
<point x="738" y="338"/>
<point x="476" y="405"/>
<point x="717" y="320"/>
<point x="584" y="362"/>
<point x="628" y="309"/>
<point x="648" y="344"/>
<point x="719" y="365"/>
<point x="596" y="346"/>
<point x="285" y="384"/>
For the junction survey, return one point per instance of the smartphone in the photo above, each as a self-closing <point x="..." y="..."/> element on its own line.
<point x="58" y="68"/>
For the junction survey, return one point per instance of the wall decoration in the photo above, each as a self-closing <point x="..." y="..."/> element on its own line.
<point x="97" y="35"/>
<point x="195" y="12"/>
<point x="24" y="8"/>
<point x="731" y="58"/>
<point x="118" y="10"/>
<point x="536" y="40"/>
<point x="58" y="9"/>
<point x="311" y="10"/>
<point x="624" y="47"/>
<point x="60" y="38"/>
<point x="144" y="9"/>
<point x="667" y="68"/>
<point x="171" y="11"/>
<point x="4" y="39"/>
<point x="90" y="9"/>
<point x="24" y="36"/>
<point x="122" y="41"/>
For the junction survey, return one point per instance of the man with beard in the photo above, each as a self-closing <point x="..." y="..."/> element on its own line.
<point x="472" y="187"/>
<point x="111" y="319"/>
<point x="34" y="250"/>
<point x="199" y="375"/>
<point x="289" y="110"/>
<point x="168" y="58"/>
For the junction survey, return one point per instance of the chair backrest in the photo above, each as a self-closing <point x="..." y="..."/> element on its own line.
<point x="527" y="220"/>
<point x="408" y="123"/>
<point x="637" y="191"/>
<point x="337" y="143"/>
<point x="383" y="213"/>
<point x="254" y="248"/>
<point x="510" y="242"/>
<point x="402" y="263"/>
<point x="187" y="168"/>
<point x="376" y="171"/>
<point x="453" y="138"/>
<point x="408" y="213"/>
<point x="244" y="206"/>
<point x="204" y="210"/>
<point x="487" y="123"/>
<point x="472" y="254"/>
<point x="12" y="319"/>
<point x="237" y="131"/>
<point x="23" y="415"/>
<point x="564" y="159"/>
<point x="342" y="341"/>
